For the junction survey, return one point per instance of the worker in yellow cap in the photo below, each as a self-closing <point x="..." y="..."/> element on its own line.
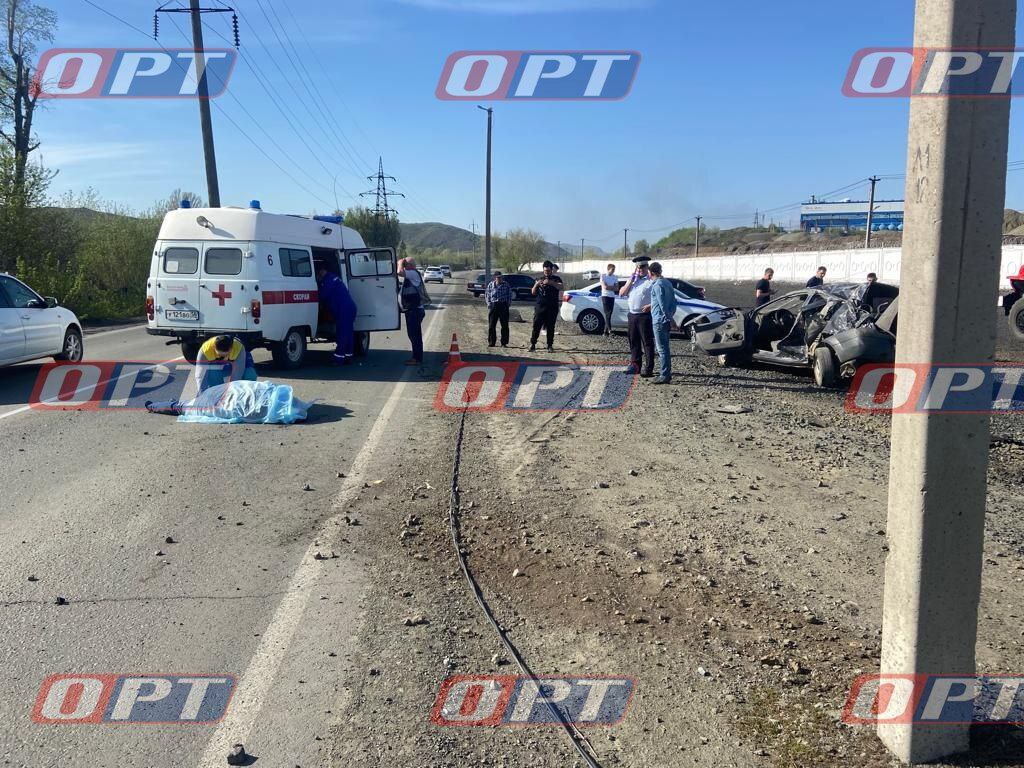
<point x="222" y="359"/>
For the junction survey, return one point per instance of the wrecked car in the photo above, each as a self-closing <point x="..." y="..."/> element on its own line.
<point x="831" y="330"/>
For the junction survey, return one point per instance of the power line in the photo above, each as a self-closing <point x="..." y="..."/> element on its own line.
<point x="382" y="207"/>
<point x="222" y="111"/>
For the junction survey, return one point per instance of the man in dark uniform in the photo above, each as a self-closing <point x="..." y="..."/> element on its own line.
<point x="548" y="290"/>
<point x="334" y="293"/>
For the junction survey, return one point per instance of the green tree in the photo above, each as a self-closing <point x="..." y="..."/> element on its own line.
<point x="641" y="247"/>
<point x="518" y="248"/>
<point x="25" y="26"/>
<point x="380" y="231"/>
<point x="173" y="201"/>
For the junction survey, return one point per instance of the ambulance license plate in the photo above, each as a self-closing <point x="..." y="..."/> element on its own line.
<point x="181" y="314"/>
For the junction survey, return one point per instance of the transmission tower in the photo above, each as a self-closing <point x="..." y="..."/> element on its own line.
<point x="382" y="207"/>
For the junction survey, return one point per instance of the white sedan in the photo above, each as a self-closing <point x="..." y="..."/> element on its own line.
<point x="584" y="307"/>
<point x="32" y="327"/>
<point x="433" y="275"/>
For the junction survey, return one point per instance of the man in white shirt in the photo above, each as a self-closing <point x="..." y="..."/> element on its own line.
<point x="609" y="290"/>
<point x="641" y="326"/>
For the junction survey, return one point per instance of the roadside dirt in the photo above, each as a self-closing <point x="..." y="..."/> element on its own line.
<point x="731" y="563"/>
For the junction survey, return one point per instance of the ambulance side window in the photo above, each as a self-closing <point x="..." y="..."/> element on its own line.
<point x="294" y="262"/>
<point x="384" y="264"/>
<point x="181" y="261"/>
<point x="362" y="264"/>
<point x="223" y="261"/>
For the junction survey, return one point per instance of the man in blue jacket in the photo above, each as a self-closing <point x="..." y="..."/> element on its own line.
<point x="663" y="309"/>
<point x="334" y="293"/>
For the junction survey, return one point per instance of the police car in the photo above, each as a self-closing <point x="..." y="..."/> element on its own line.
<point x="252" y="274"/>
<point x="584" y="307"/>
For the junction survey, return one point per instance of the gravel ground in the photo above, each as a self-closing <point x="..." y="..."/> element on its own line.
<point x="731" y="563"/>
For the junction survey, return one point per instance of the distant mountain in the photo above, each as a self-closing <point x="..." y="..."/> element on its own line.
<point x="432" y="234"/>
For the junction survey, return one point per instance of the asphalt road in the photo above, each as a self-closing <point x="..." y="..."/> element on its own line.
<point x="88" y="499"/>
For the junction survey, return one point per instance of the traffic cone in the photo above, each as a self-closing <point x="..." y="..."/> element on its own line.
<point x="454" y="355"/>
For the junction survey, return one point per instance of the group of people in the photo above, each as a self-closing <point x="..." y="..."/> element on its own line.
<point x="547" y="293"/>
<point x="763" y="291"/>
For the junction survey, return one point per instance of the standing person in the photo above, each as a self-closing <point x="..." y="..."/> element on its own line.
<point x="609" y="290"/>
<point x="548" y="290"/>
<point x="763" y="289"/>
<point x="411" y="297"/>
<point x="818" y="279"/>
<point x="871" y="278"/>
<point x="334" y="293"/>
<point x="663" y="309"/>
<point x="641" y="329"/>
<point x="498" y="296"/>
<point x="223" y="359"/>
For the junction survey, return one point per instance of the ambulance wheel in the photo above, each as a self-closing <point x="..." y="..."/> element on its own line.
<point x="1016" y="320"/>
<point x="190" y="350"/>
<point x="289" y="354"/>
<point x="361" y="343"/>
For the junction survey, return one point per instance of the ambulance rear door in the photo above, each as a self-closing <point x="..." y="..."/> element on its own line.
<point x="372" y="279"/>
<point x="227" y="286"/>
<point x="175" y="284"/>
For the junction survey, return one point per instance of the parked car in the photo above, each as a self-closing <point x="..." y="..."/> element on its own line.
<point x="433" y="275"/>
<point x="687" y="289"/>
<point x="584" y="307"/>
<point x="522" y="285"/>
<point x="446" y="270"/>
<point x="830" y="330"/>
<point x="32" y="327"/>
<point x="591" y="274"/>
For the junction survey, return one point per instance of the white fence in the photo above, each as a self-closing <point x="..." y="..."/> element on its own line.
<point x="798" y="266"/>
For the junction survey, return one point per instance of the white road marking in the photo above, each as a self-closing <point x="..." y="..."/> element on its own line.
<point x="255" y="684"/>
<point x="135" y="372"/>
<point x="115" y="330"/>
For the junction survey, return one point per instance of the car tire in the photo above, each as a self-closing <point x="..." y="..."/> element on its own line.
<point x="730" y="360"/>
<point x="824" y="368"/>
<point x="361" y="343"/>
<point x="190" y="350"/>
<point x="1016" y="320"/>
<point x="73" y="349"/>
<point x="289" y="353"/>
<point x="591" y="322"/>
<point x="477" y="294"/>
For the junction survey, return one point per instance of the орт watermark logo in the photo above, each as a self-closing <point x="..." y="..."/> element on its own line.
<point x="934" y="72"/>
<point x="516" y="700"/>
<point x="538" y="75"/>
<point x="132" y="73"/>
<point x="935" y="699"/>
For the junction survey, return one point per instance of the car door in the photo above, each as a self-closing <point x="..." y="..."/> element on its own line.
<point x="12" y="335"/>
<point x="226" y="289"/>
<point x="41" y="323"/>
<point x="620" y="315"/>
<point x="372" y="280"/>
<point x="721" y="331"/>
<point x="177" y="293"/>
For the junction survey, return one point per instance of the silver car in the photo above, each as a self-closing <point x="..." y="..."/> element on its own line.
<point x="32" y="327"/>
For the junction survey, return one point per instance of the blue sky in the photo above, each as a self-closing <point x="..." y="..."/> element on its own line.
<point x="736" y="107"/>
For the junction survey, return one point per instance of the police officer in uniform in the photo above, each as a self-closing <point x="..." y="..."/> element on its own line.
<point x="641" y="326"/>
<point x="548" y="290"/>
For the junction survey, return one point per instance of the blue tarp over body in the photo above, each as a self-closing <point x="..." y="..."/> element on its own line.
<point x="248" y="402"/>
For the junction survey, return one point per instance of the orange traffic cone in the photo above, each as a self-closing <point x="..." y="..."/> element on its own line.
<point x="454" y="355"/>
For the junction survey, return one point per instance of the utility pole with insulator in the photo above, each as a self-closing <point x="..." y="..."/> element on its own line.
<point x="696" y="242"/>
<point x="487" y="203"/>
<point x="871" y="211"/>
<point x="625" y="243"/>
<point x="195" y="13"/>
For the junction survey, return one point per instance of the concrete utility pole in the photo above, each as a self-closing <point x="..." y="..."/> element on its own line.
<point x="871" y="211"/>
<point x="696" y="244"/>
<point x="581" y="248"/>
<point x="487" y="216"/>
<point x="625" y="243"/>
<point x="956" y="174"/>
<point x="203" y="93"/>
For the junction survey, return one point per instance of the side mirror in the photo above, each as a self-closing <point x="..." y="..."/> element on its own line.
<point x="51" y="302"/>
<point x="36" y="304"/>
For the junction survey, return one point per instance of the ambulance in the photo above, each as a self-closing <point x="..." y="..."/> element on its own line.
<point x="252" y="274"/>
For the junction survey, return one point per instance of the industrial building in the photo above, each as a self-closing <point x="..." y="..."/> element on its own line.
<point x="851" y="215"/>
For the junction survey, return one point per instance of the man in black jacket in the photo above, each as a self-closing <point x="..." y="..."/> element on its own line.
<point x="548" y="290"/>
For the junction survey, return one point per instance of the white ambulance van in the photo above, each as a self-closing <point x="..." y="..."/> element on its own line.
<point x="252" y="274"/>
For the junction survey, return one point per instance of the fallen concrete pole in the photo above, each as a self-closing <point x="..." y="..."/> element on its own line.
<point x="956" y="172"/>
